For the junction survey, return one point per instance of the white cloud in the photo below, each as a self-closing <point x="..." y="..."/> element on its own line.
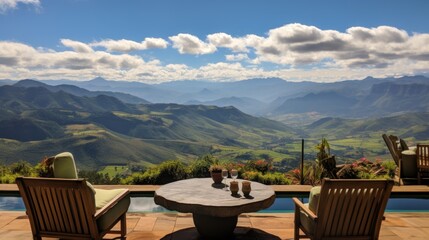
<point x="189" y="44"/>
<point x="124" y="45"/>
<point x="21" y="58"/>
<point x="293" y="52"/>
<point x="358" y="48"/>
<point x="237" y="57"/>
<point x="227" y="41"/>
<point x="77" y="46"/>
<point x="6" y="5"/>
<point x="383" y="34"/>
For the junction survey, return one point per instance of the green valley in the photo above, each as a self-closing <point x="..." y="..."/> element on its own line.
<point x="102" y="131"/>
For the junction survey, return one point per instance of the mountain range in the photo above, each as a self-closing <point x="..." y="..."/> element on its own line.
<point x="36" y="120"/>
<point x="270" y="97"/>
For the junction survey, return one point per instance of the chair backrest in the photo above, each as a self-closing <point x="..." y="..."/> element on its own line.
<point x="64" y="166"/>
<point x="422" y="153"/>
<point x="351" y="208"/>
<point x="62" y="208"/>
<point x="391" y="145"/>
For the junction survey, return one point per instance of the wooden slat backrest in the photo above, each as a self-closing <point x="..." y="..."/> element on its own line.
<point x="60" y="207"/>
<point x="422" y="156"/>
<point x="392" y="149"/>
<point x="351" y="208"/>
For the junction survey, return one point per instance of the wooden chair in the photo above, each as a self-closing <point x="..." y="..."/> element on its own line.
<point x="66" y="208"/>
<point x="407" y="168"/>
<point x="346" y="209"/>
<point x="422" y="153"/>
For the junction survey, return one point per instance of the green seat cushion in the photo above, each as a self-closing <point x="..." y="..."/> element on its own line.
<point x="306" y="222"/>
<point x="64" y="166"/>
<point x="313" y="200"/>
<point x="102" y="197"/>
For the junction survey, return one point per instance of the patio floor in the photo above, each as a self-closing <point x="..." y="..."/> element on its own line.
<point x="260" y="226"/>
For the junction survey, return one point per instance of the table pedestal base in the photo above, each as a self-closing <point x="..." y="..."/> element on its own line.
<point x="215" y="227"/>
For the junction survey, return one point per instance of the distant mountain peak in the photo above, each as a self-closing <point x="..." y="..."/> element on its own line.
<point x="29" y="83"/>
<point x="98" y="80"/>
<point x="368" y="78"/>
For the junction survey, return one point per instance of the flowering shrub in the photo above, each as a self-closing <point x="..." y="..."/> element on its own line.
<point x="312" y="174"/>
<point x="260" y="165"/>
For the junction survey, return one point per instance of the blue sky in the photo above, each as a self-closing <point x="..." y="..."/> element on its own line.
<point x="167" y="40"/>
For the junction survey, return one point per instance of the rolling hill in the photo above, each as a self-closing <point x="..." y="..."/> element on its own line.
<point x="330" y="103"/>
<point x="408" y="125"/>
<point x="103" y="130"/>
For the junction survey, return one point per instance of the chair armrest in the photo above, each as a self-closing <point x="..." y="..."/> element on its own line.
<point x="300" y="205"/>
<point x="111" y="204"/>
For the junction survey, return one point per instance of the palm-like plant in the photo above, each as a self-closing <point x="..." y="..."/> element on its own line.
<point x="324" y="150"/>
<point x="325" y="160"/>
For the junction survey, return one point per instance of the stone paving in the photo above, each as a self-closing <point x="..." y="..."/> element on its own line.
<point x="260" y="226"/>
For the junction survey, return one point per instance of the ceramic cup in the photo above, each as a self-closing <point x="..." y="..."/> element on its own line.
<point x="234" y="187"/>
<point x="245" y="188"/>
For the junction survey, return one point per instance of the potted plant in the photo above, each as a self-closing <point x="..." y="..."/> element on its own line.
<point x="216" y="173"/>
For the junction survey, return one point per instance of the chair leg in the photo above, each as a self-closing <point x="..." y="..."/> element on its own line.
<point x="124" y="226"/>
<point x="419" y="178"/>
<point x="297" y="222"/>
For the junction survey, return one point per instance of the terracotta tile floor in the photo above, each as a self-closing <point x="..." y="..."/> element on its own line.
<point x="260" y="226"/>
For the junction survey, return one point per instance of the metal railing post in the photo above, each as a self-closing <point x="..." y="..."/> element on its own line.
<point x="302" y="162"/>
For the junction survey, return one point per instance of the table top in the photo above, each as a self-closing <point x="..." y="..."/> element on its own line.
<point x="202" y="196"/>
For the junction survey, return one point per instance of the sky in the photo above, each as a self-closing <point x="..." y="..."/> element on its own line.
<point x="216" y="40"/>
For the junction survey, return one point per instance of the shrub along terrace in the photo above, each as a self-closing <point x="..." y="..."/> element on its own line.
<point x="255" y="170"/>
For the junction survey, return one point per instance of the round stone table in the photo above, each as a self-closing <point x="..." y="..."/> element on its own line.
<point x="215" y="211"/>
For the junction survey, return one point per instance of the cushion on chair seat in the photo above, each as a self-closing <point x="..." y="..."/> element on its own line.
<point x="102" y="197"/>
<point x="313" y="200"/>
<point x="306" y="221"/>
<point x="414" y="149"/>
<point x="409" y="152"/>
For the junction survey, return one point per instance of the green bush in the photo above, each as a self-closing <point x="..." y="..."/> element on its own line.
<point x="22" y="168"/>
<point x="150" y="176"/>
<point x="166" y="172"/>
<point x="9" y="178"/>
<point x="170" y="171"/>
<point x="199" y="168"/>
<point x="390" y="167"/>
<point x="267" y="178"/>
<point x="95" y="177"/>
